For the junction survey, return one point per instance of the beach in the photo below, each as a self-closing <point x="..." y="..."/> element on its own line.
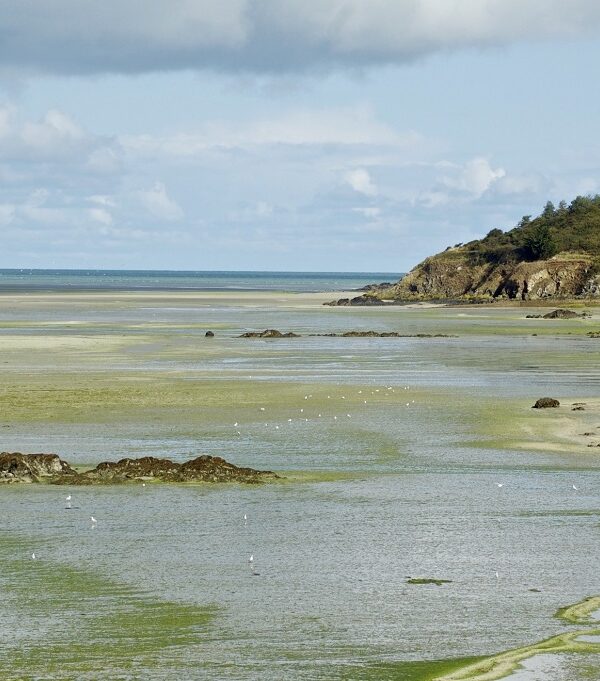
<point x="413" y="457"/>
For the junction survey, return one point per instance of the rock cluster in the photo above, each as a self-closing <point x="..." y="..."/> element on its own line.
<point x="268" y="333"/>
<point x="382" y="334"/>
<point x="365" y="300"/>
<point x="16" y="467"/>
<point x="273" y="333"/>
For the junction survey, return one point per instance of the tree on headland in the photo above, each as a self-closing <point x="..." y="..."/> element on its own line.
<point x="549" y="210"/>
<point x="539" y="244"/>
<point x="573" y="228"/>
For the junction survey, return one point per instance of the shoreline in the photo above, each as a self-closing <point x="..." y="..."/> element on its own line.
<point x="501" y="665"/>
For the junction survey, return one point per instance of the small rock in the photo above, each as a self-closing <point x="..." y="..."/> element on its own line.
<point x="565" y="314"/>
<point x="209" y="334"/>
<point x="428" y="580"/>
<point x="546" y="403"/>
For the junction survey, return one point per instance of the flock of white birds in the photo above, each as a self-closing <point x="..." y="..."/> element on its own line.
<point x="251" y="562"/>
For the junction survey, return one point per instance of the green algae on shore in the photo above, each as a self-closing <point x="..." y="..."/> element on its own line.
<point x="83" y="620"/>
<point x="418" y="670"/>
<point x="501" y="665"/>
<point x="579" y="613"/>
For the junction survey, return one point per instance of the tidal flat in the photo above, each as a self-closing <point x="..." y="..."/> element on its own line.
<point x="401" y="456"/>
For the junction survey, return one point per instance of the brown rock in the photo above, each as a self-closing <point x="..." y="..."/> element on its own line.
<point x="563" y="314"/>
<point x="203" y="468"/>
<point x="17" y="467"/>
<point x="269" y="333"/>
<point x="546" y="403"/>
<point x="32" y="468"/>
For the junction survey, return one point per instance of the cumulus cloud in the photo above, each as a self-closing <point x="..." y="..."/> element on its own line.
<point x="100" y="215"/>
<point x="158" y="203"/>
<point x="55" y="138"/>
<point x="475" y="177"/>
<point x="70" y="36"/>
<point x="360" y="180"/>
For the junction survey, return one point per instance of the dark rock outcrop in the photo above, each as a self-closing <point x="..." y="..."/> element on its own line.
<point x="362" y="301"/>
<point x="546" y="403"/>
<point x="381" y="334"/>
<point x="559" y="314"/>
<point x="17" y="467"/>
<point x="565" y="314"/>
<point x="376" y="287"/>
<point x="209" y="334"/>
<point x="203" y="468"/>
<point x="269" y="333"/>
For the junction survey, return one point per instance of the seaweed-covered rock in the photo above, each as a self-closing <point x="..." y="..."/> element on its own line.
<point x="382" y="334"/>
<point x="376" y="287"/>
<point x="564" y="314"/>
<point x="364" y="300"/>
<point x="17" y="467"/>
<point x="269" y="333"/>
<point x="546" y="403"/>
<point x="559" y="314"/>
<point x="203" y="468"/>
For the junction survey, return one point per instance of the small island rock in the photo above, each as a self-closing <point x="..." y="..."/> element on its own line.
<point x="546" y="403"/>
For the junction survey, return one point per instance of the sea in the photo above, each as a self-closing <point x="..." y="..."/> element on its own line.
<point x="174" y="280"/>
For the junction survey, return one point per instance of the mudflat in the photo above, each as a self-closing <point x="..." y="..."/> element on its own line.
<point x="412" y="454"/>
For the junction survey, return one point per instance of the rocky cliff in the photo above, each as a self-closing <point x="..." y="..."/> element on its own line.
<point x="453" y="276"/>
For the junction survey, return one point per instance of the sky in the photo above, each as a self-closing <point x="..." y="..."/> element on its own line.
<point x="343" y="135"/>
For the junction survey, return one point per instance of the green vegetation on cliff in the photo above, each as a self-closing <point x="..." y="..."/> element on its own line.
<point x="568" y="228"/>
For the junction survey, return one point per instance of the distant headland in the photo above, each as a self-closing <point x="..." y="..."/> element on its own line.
<point x="555" y="255"/>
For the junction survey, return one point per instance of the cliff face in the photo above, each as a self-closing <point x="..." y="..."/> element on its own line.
<point x="452" y="275"/>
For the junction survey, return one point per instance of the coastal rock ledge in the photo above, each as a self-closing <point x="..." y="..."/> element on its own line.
<point x="36" y="468"/>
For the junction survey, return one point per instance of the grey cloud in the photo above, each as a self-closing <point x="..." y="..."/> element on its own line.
<point x="268" y="36"/>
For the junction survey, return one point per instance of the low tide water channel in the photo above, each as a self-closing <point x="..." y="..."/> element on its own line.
<point x="400" y="458"/>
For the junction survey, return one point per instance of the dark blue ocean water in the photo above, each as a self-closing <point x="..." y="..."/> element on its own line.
<point x="166" y="280"/>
